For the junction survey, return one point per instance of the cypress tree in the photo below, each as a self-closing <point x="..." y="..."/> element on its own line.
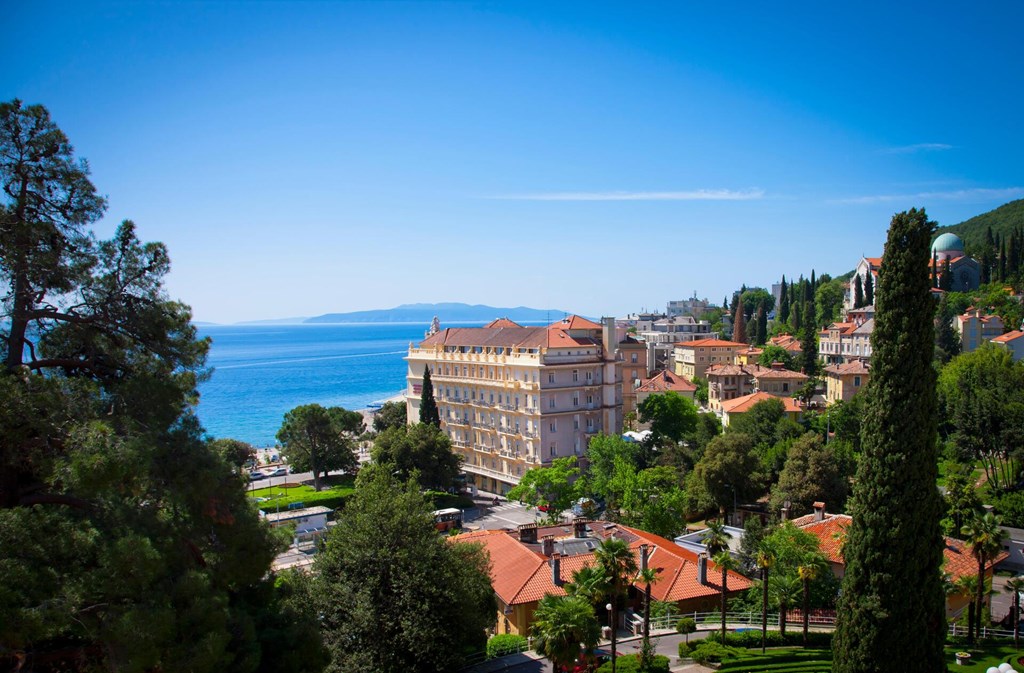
<point x="762" y="326"/>
<point x="428" y="406"/>
<point x="814" y="284"/>
<point x="784" y="302"/>
<point x="1013" y="255"/>
<point x="1002" y="262"/>
<point x="858" y="292"/>
<point x="892" y="608"/>
<point x="869" y="289"/>
<point x="796" y="321"/>
<point x="935" y="269"/>
<point x="947" y="340"/>
<point x="946" y="280"/>
<point x="739" y="326"/>
<point x="809" y="341"/>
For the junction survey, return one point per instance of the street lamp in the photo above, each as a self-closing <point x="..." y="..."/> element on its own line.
<point x="611" y="622"/>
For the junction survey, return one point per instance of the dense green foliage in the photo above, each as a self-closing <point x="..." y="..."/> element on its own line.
<point x="814" y="471"/>
<point x="891" y="612"/>
<point x="1001" y="221"/>
<point x="320" y="439"/>
<point x="128" y="541"/>
<point x="390" y="415"/>
<point x="394" y="595"/>
<point x="631" y="663"/>
<point x="670" y="415"/>
<point x="562" y="626"/>
<point x="420" y="451"/>
<point x="554" y="487"/>
<point x="505" y="643"/>
<point x="429" y="413"/>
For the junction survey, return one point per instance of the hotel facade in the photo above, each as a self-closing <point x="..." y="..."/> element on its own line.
<point x="512" y="398"/>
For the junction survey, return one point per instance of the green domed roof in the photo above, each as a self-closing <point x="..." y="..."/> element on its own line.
<point x="948" y="243"/>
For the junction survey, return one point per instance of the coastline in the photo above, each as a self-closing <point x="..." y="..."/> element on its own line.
<point x="369" y="412"/>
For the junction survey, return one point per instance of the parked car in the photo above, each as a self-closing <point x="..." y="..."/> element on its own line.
<point x="256" y="474"/>
<point x="278" y="472"/>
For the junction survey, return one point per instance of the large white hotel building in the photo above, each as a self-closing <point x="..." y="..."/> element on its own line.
<point x="513" y="397"/>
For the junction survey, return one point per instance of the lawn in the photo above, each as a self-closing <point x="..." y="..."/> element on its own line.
<point x="279" y="496"/>
<point x="798" y="660"/>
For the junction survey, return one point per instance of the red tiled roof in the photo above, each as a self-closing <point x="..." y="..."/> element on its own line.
<point x="703" y="343"/>
<point x="520" y="575"/>
<point x="501" y="322"/>
<point x="574" y="322"/>
<point x="741" y="405"/>
<point x="787" y="341"/>
<point x="852" y="367"/>
<point x="506" y="337"/>
<point x="1009" y="336"/>
<point x="666" y="380"/>
<point x="831" y="534"/>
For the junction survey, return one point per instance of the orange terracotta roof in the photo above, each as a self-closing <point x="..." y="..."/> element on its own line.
<point x="664" y="381"/>
<point x="741" y="405"/>
<point x="520" y="575"/>
<point x="574" y="322"/>
<point x="506" y="337"/>
<point x="704" y="343"/>
<point x="830" y="531"/>
<point x="501" y="322"/>
<point x="730" y="370"/>
<point x="1009" y="336"/>
<point x="874" y="262"/>
<point x="852" y="367"/>
<point x="787" y="341"/>
<point x="771" y="373"/>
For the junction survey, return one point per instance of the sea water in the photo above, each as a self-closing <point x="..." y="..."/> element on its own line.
<point x="263" y="371"/>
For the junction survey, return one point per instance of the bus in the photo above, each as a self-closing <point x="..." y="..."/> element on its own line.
<point x="447" y="519"/>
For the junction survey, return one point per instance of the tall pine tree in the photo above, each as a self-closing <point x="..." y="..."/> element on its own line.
<point x="809" y="341"/>
<point x="784" y="302"/>
<point x="946" y="279"/>
<point x="762" y="326"/>
<point x="892" y="608"/>
<point x="869" y="288"/>
<point x="739" y="326"/>
<point x="428" y="406"/>
<point x="858" y="292"/>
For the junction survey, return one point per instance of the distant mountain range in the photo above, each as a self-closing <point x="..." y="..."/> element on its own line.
<point x="447" y="312"/>
<point x="1003" y="219"/>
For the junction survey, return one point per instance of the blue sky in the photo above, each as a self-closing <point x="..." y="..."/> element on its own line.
<point x="304" y="158"/>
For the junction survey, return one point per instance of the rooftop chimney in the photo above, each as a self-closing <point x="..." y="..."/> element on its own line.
<point x="785" y="511"/>
<point x="819" y="511"/>
<point x="579" y="527"/>
<point x="556" y="563"/>
<point x="547" y="545"/>
<point x="702" y="568"/>
<point x="528" y="533"/>
<point x="778" y="366"/>
<point x="643" y="557"/>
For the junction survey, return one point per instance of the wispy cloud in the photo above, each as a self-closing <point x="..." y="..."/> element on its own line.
<point x="694" y="195"/>
<point x="978" y="194"/>
<point x="919" y="147"/>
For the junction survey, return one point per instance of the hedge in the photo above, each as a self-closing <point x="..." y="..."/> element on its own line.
<point x="630" y="663"/>
<point x="752" y="639"/>
<point x="505" y="643"/>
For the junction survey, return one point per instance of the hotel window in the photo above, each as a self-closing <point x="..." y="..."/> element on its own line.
<point x="551" y="377"/>
<point x="590" y="424"/>
<point x="575" y="375"/>
<point x="633" y="358"/>
<point x="576" y="400"/>
<point x="785" y="387"/>
<point x="590" y="399"/>
<point x="551" y="403"/>
<point x="575" y="424"/>
<point x="554" y="449"/>
<point x="553" y="426"/>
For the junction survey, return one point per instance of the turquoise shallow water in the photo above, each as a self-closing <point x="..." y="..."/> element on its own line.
<point x="262" y="371"/>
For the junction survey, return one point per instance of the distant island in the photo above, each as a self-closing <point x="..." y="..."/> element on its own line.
<point x="447" y="312"/>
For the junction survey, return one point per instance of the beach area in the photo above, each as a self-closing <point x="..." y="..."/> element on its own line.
<point x="370" y="411"/>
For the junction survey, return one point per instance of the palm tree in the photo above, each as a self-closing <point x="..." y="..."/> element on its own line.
<point x="590" y="583"/>
<point x="808" y="570"/>
<point x="1015" y="586"/>
<point x="986" y="539"/>
<point x="784" y="590"/>
<point x="725" y="562"/>
<point x="716" y="537"/>
<point x="616" y="560"/>
<point x="967" y="585"/>
<point x="648" y="576"/>
<point x="561" y="625"/>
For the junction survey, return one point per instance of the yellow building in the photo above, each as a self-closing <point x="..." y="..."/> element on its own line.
<point x="694" y="357"/>
<point x="512" y="397"/>
<point x="844" y="381"/>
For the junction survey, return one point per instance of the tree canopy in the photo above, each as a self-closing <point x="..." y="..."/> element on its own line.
<point x="136" y="547"/>
<point x="671" y="416"/>
<point x="320" y="439"/>
<point x="394" y="595"/>
<point x="554" y="487"/>
<point x="390" y="415"/>
<point x="420" y="451"/>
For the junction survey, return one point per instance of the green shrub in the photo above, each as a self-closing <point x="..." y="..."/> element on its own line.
<point x="630" y="663"/>
<point x="684" y="650"/>
<point x="751" y="639"/>
<point x="711" y="652"/>
<point x="505" y="643"/>
<point x="686" y="625"/>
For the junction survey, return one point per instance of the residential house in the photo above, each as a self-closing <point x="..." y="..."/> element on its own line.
<point x="843" y="381"/>
<point x="846" y="341"/>
<point x="1013" y="342"/>
<point x="749" y="356"/>
<point x="663" y="382"/>
<point x="730" y="409"/>
<point x="664" y="333"/>
<point x="830" y="529"/>
<point x="512" y="397"/>
<point x="534" y="561"/>
<point x="633" y="354"/>
<point x="788" y="342"/>
<point x="694" y="357"/>
<point x="976" y="328"/>
<point x="727" y="382"/>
